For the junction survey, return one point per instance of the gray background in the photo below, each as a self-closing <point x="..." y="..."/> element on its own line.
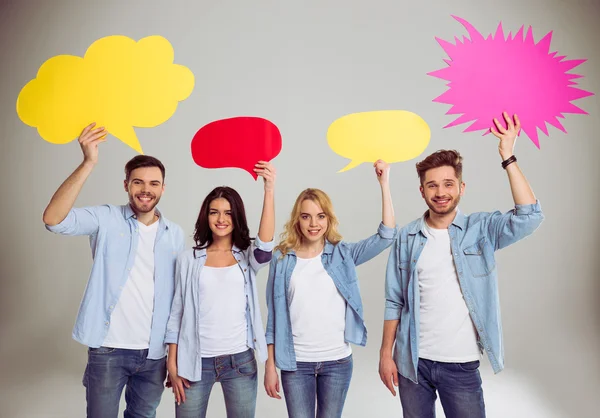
<point x="302" y="65"/>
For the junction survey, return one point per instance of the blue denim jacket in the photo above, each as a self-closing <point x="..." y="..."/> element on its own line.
<point x="474" y="239"/>
<point x="113" y="232"/>
<point x="340" y="262"/>
<point x="182" y="328"/>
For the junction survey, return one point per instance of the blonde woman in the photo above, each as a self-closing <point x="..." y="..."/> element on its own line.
<point x="314" y="304"/>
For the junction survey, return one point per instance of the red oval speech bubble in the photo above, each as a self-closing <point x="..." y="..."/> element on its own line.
<point x="238" y="142"/>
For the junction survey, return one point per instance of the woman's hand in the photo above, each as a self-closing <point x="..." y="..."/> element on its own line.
<point x="382" y="170"/>
<point x="266" y="170"/>
<point x="272" y="382"/>
<point x="178" y="384"/>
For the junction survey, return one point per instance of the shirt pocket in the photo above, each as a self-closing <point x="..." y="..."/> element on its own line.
<point x="480" y="258"/>
<point x="344" y="272"/>
<point x="117" y="243"/>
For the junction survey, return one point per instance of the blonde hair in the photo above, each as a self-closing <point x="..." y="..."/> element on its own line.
<point x="292" y="236"/>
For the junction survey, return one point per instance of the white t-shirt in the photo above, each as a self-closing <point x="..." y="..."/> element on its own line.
<point x="222" y="311"/>
<point x="131" y="318"/>
<point x="317" y="313"/>
<point x="447" y="333"/>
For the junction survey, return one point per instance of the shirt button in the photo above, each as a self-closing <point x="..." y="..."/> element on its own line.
<point x="111" y="307"/>
<point x="106" y="323"/>
<point x="245" y="269"/>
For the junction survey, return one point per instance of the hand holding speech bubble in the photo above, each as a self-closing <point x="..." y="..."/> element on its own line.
<point x="390" y="135"/>
<point x="494" y="74"/>
<point x="119" y="84"/>
<point x="238" y="142"/>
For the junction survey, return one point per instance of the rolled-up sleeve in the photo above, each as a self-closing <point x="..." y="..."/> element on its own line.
<point x="387" y="232"/>
<point x="79" y="221"/>
<point x="261" y="253"/>
<point x="514" y="225"/>
<point x="368" y="248"/>
<point x="393" y="292"/>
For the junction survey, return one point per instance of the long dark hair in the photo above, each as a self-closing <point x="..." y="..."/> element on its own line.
<point x="241" y="234"/>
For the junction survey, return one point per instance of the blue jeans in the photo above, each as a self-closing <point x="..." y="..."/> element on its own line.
<point x="459" y="386"/>
<point x="238" y="376"/>
<point x="322" y="383"/>
<point x="110" y="369"/>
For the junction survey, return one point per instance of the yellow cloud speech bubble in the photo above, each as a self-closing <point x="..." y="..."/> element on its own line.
<point x="119" y="84"/>
<point x="391" y="135"/>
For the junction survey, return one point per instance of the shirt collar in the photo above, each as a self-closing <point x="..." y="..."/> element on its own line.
<point x="201" y="252"/>
<point x="129" y="213"/>
<point x="327" y="249"/>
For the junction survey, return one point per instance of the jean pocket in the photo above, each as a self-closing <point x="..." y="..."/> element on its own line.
<point x="247" y="369"/>
<point x="470" y="366"/>
<point x="344" y="360"/>
<point x="101" y="350"/>
<point x="480" y="258"/>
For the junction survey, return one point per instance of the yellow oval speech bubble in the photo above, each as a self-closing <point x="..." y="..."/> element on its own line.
<point x="119" y="84"/>
<point x="390" y="135"/>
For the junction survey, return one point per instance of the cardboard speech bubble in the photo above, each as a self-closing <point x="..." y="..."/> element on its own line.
<point x="238" y="142"/>
<point x="119" y="84"/>
<point x="390" y="135"/>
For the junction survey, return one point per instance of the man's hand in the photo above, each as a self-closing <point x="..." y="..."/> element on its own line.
<point x="89" y="140"/>
<point x="388" y="372"/>
<point x="508" y="136"/>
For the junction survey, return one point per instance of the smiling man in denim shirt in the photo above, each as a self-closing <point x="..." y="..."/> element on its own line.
<point x="442" y="307"/>
<point x="124" y="312"/>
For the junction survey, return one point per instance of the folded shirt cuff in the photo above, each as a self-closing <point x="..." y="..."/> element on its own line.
<point x="528" y="209"/>
<point x="171" y="338"/>
<point x="391" y="313"/>
<point x="264" y="246"/>
<point x="386" y="232"/>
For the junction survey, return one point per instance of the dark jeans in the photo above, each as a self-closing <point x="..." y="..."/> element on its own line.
<point x="317" y="388"/>
<point x="109" y="370"/>
<point x="237" y="374"/>
<point x="459" y="386"/>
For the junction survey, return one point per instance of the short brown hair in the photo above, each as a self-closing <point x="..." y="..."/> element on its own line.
<point x="140" y="161"/>
<point x="441" y="158"/>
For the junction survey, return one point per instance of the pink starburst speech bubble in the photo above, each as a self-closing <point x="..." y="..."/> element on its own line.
<point x="490" y="75"/>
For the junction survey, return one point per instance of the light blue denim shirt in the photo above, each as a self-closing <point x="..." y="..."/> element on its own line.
<point x="113" y="232"/>
<point x="474" y="239"/>
<point x="340" y="262"/>
<point x="182" y="328"/>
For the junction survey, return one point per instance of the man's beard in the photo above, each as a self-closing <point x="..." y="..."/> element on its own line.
<point x="144" y="208"/>
<point x="450" y="209"/>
